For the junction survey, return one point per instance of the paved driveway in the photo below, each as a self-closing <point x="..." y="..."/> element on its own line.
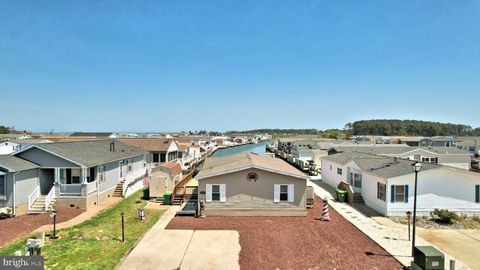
<point x="459" y="243"/>
<point x="293" y="242"/>
<point x="184" y="249"/>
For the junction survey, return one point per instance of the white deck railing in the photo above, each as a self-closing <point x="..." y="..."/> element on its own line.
<point x="91" y="187"/>
<point x="33" y="196"/>
<point x="71" y="189"/>
<point x="49" y="198"/>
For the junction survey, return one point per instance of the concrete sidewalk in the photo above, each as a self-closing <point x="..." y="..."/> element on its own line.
<point x="394" y="239"/>
<point x="183" y="249"/>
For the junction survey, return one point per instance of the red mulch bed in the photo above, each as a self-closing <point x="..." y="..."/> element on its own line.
<point x="13" y="228"/>
<point x="297" y="242"/>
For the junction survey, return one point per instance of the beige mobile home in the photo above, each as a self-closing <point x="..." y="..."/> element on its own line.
<point x="247" y="184"/>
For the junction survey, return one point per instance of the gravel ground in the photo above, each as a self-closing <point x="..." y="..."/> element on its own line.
<point x="297" y="242"/>
<point x="13" y="228"/>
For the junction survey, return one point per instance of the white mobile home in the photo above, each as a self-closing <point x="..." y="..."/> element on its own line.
<point x="386" y="184"/>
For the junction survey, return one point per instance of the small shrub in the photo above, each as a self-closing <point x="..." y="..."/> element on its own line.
<point x="476" y="219"/>
<point x="444" y="216"/>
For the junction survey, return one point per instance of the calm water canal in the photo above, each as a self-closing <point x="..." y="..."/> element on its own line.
<point x="259" y="148"/>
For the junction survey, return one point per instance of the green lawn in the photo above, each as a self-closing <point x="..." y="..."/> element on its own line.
<point x="95" y="243"/>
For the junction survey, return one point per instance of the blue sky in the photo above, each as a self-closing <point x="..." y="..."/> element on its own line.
<point x="223" y="65"/>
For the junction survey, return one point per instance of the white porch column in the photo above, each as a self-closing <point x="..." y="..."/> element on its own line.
<point x="57" y="176"/>
<point x="84" y="175"/>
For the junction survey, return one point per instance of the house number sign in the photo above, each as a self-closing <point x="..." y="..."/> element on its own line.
<point x="252" y="177"/>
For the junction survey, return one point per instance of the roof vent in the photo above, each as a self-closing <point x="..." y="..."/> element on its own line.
<point x="112" y="146"/>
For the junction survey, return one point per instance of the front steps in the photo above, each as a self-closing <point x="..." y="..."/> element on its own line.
<point x="357" y="198"/>
<point x="39" y="206"/>
<point x="118" y="192"/>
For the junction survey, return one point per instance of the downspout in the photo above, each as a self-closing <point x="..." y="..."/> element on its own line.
<point x="13" y="195"/>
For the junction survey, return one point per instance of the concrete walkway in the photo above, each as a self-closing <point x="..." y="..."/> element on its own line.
<point x="183" y="249"/>
<point x="83" y="216"/>
<point x="394" y="239"/>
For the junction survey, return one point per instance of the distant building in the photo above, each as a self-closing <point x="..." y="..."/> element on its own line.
<point x="110" y="135"/>
<point x="472" y="145"/>
<point x="438" y="141"/>
<point x="160" y="150"/>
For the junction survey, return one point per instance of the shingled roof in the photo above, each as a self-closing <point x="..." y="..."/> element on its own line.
<point x="15" y="164"/>
<point x="222" y="165"/>
<point x="150" y="144"/>
<point x="90" y="153"/>
<point x="385" y="167"/>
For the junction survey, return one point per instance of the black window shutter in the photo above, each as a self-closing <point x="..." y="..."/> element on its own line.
<point x="378" y="190"/>
<point x="477" y="193"/>
<point x="406" y="193"/>
<point x="392" y="193"/>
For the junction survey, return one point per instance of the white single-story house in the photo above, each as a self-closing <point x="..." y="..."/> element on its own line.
<point x="387" y="183"/>
<point x="8" y="147"/>
<point x="83" y="174"/>
<point x="448" y="156"/>
<point x="247" y="184"/>
<point x="18" y="179"/>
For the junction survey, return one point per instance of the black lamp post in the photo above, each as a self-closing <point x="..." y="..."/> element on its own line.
<point x="417" y="166"/>
<point x="409" y="216"/>
<point x="123" y="227"/>
<point x="53" y="214"/>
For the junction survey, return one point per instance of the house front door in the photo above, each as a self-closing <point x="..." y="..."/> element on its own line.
<point x="356" y="182"/>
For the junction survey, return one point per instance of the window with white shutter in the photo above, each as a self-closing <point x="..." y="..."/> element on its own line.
<point x="276" y="193"/>
<point x="223" y="193"/>
<point x="208" y="193"/>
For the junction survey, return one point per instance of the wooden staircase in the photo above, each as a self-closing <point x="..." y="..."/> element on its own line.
<point x="39" y="205"/>
<point x="177" y="199"/>
<point x="118" y="192"/>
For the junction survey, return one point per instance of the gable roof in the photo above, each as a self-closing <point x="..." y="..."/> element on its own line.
<point x="174" y="167"/>
<point x="223" y="165"/>
<point x="89" y="153"/>
<point x="149" y="144"/>
<point x="15" y="164"/>
<point x="385" y="167"/>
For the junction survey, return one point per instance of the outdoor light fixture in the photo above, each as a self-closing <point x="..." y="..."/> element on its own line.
<point x="417" y="166"/>
<point x="409" y="216"/>
<point x="53" y="214"/>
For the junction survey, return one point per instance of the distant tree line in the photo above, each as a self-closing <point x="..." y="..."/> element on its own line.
<point x="386" y="127"/>
<point x="8" y="130"/>
<point x="4" y="130"/>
